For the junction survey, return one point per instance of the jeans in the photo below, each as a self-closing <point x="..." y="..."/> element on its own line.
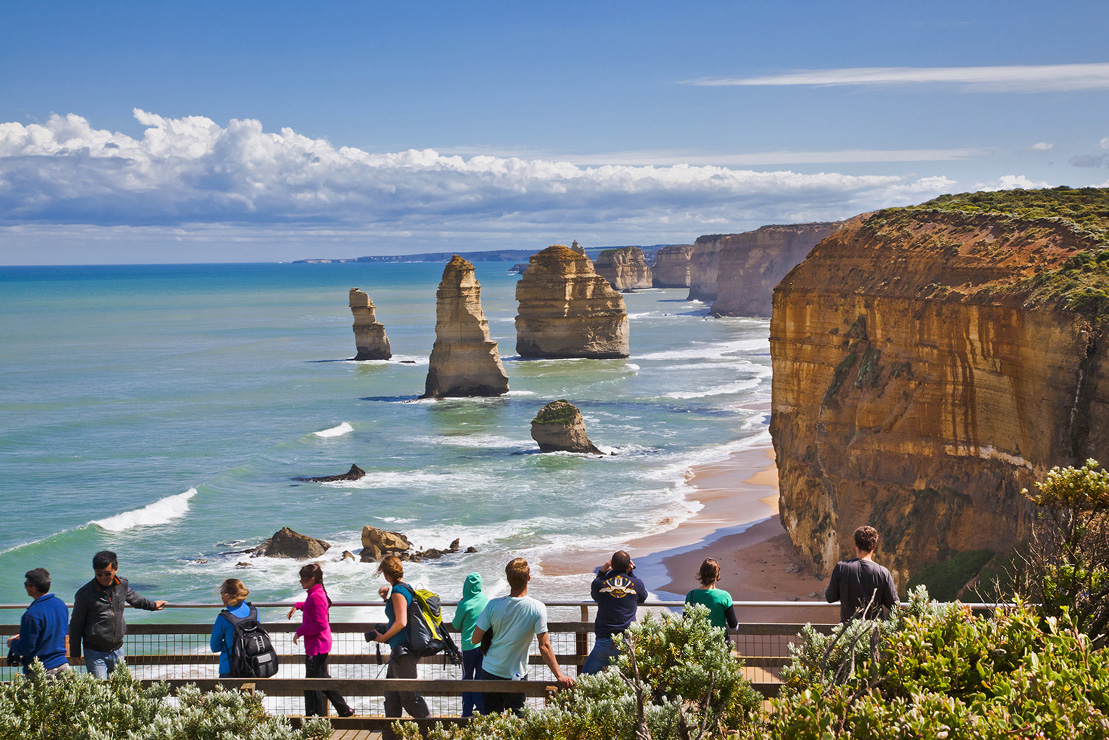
<point x="471" y="669"/>
<point x="604" y="650"/>
<point x="497" y="703"/>
<point x="315" y="666"/>
<point x="402" y="666"/>
<point x="101" y="664"/>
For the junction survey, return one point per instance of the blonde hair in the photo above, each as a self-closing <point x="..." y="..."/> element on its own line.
<point x="518" y="572"/>
<point x="234" y="588"/>
<point x="390" y="567"/>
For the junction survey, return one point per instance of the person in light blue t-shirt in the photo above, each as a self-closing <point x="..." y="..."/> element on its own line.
<point x="513" y="620"/>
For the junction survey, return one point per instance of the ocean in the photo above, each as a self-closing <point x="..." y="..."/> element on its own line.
<point x="162" y="412"/>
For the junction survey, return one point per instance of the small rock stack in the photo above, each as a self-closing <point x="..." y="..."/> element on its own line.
<point x="560" y="427"/>
<point x="369" y="335"/>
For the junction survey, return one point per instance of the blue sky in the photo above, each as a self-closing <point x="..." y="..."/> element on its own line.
<point x="273" y="131"/>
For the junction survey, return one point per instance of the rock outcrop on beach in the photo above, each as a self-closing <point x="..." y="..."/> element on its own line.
<point x="751" y="264"/>
<point x="378" y="543"/>
<point x="464" y="360"/>
<point x="559" y="427"/>
<point x="671" y="268"/>
<point x="930" y="362"/>
<point x="567" y="309"/>
<point x="624" y="268"/>
<point x="286" y="543"/>
<point x="369" y="335"/>
<point x="355" y="473"/>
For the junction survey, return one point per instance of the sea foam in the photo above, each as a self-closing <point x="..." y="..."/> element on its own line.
<point x="338" y="431"/>
<point x="160" y="512"/>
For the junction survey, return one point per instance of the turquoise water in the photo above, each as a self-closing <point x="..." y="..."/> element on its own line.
<point x="161" y="412"/>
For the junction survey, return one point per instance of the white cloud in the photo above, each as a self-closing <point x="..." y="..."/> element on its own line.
<point x="1011" y="182"/>
<point x="666" y="157"/>
<point x="1015" y="78"/>
<point x="1043" y="146"/>
<point x="1105" y="143"/>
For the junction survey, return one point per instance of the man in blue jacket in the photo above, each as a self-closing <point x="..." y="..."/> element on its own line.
<point x="42" y="629"/>
<point x="618" y="595"/>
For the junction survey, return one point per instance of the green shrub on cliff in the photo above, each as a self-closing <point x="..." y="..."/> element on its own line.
<point x="77" y="706"/>
<point x="556" y="412"/>
<point x="1087" y="208"/>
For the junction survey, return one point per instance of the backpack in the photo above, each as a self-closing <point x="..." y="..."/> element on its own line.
<point x="252" y="653"/>
<point x="426" y="635"/>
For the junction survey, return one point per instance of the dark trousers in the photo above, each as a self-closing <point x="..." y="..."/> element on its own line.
<point x="471" y="669"/>
<point x="402" y="666"/>
<point x="315" y="666"/>
<point x="497" y="703"/>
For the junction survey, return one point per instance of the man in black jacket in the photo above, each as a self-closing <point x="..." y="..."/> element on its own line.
<point x="618" y="594"/>
<point x="97" y="620"/>
<point x="863" y="588"/>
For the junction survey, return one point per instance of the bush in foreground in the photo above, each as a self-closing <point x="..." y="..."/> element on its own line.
<point x="76" y="706"/>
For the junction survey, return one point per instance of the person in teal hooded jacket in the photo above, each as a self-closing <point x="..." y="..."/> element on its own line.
<point x="465" y="619"/>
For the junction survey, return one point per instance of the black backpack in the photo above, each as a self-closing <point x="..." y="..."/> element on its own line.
<point x="252" y="653"/>
<point x="426" y="635"/>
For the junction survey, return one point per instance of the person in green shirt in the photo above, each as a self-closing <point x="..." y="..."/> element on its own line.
<point x="718" y="601"/>
<point x="465" y="619"/>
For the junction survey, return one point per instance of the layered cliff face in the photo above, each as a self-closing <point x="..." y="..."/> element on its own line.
<point x="568" y="310"/>
<point x="751" y="264"/>
<point x="369" y="336"/>
<point x="704" y="264"/>
<point x="928" y="364"/>
<point x="624" y="268"/>
<point x="671" y="268"/>
<point x="464" y="361"/>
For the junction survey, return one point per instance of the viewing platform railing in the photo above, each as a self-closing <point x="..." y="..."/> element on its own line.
<point x="179" y="653"/>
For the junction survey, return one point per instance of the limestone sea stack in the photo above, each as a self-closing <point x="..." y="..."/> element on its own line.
<point x="624" y="268"/>
<point x="671" y="268"/>
<point x="464" y="360"/>
<point x="751" y="264"/>
<point x="930" y="362"/>
<point x="567" y="309"/>
<point x="369" y="335"/>
<point x="559" y="427"/>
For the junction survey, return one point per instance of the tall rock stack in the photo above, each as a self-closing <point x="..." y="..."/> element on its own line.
<point x="751" y="264"/>
<point x="671" y="268"/>
<point x="568" y="310"/>
<point x="624" y="268"/>
<point x="704" y="264"/>
<point x="369" y="335"/>
<point x="464" y="360"/>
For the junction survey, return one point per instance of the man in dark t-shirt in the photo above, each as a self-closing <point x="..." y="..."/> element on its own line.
<point x="863" y="588"/>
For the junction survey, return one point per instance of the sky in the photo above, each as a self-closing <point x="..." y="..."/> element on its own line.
<point x="274" y="131"/>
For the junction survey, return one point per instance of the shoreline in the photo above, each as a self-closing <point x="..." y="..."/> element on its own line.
<point x="737" y="525"/>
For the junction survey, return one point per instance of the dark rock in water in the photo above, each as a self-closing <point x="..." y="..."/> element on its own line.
<point x="471" y="548"/>
<point x="454" y="546"/>
<point x="430" y="554"/>
<point x="559" y="427"/>
<point x="286" y="543"/>
<point x="347" y="555"/>
<point x="244" y="565"/>
<point x="408" y="362"/>
<point x="355" y="473"/>
<point x="378" y="544"/>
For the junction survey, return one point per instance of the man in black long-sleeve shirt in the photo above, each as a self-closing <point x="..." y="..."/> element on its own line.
<point x="863" y="588"/>
<point x="618" y="595"/>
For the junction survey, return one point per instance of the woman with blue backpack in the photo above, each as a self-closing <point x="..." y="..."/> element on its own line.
<point x="233" y="594"/>
<point x="402" y="662"/>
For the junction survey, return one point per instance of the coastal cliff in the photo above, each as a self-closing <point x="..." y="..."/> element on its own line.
<point x="624" y="268"/>
<point x="464" y="360"/>
<point x="931" y="362"/>
<point x="704" y="264"/>
<point x="567" y="309"/>
<point x="370" y="341"/>
<point x="751" y="264"/>
<point x="671" y="268"/>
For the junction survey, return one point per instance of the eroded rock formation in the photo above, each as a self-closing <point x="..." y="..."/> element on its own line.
<point x="286" y="543"/>
<point x="751" y="264"/>
<point x="928" y="365"/>
<point x="624" y="268"/>
<point x="355" y="473"/>
<point x="704" y="264"/>
<point x="464" y="360"/>
<point x="671" y="268"/>
<point x="369" y="335"/>
<point x="559" y="427"/>
<point x="378" y="543"/>
<point x="567" y="309"/>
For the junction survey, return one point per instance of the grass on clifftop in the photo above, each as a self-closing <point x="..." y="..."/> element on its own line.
<point x="1086" y="208"/>
<point x="556" y="412"/>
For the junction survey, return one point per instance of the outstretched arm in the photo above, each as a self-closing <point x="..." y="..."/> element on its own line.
<point x="547" y="653"/>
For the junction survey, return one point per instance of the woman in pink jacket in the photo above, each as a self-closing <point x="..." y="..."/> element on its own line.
<point x="315" y="628"/>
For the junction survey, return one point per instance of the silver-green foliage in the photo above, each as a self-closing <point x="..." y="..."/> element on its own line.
<point x="77" y="706"/>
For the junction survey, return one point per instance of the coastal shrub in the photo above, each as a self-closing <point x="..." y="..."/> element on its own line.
<point x="945" y="580"/>
<point x="936" y="670"/>
<point x="556" y="412"/>
<point x="77" y="706"/>
<point x="675" y="679"/>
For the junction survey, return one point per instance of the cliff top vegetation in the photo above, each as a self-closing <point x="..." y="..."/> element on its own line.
<point x="557" y="412"/>
<point x="1087" y="208"/>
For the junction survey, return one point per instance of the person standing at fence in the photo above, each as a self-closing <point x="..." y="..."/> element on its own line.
<point x="402" y="663"/>
<point x="618" y="594"/>
<point x="465" y="619"/>
<point x="514" y="620"/>
<point x="233" y="594"/>
<point x="315" y="628"/>
<point x="42" y="628"/>
<point x="718" y="601"/>
<point x="97" y="622"/>
<point x="863" y="588"/>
